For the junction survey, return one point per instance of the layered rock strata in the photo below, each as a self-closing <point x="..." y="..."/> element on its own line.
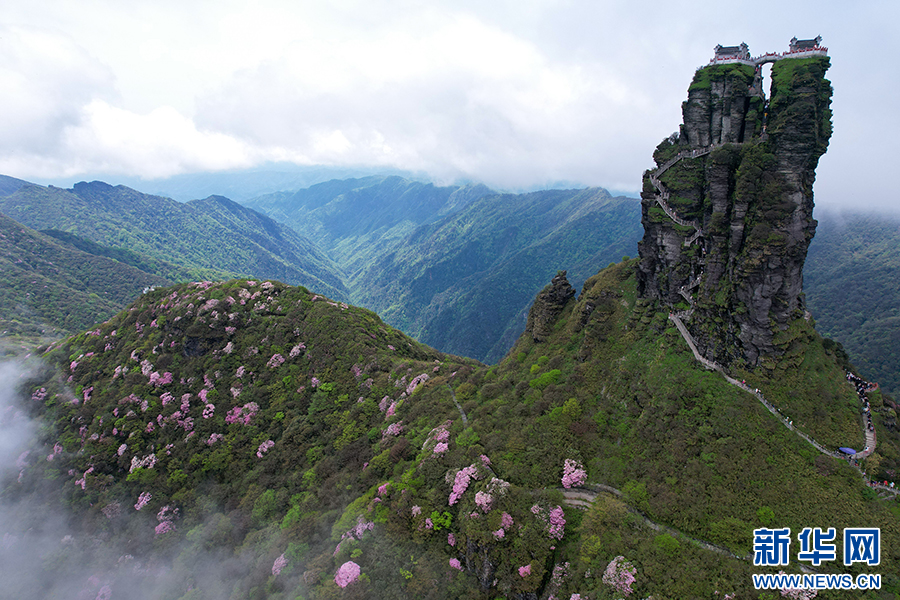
<point x="727" y="213"/>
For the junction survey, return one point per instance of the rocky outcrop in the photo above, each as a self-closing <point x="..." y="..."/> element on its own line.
<point x="728" y="223"/>
<point x="547" y="306"/>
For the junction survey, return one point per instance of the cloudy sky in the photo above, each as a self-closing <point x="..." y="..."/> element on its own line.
<point x="512" y="93"/>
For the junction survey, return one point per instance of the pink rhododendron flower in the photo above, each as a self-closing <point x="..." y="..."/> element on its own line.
<point x="483" y="500"/>
<point x="620" y="575"/>
<point x="525" y="571"/>
<point x="454" y="562"/>
<point x="242" y="414"/>
<point x="557" y="523"/>
<point x="499" y="534"/>
<point x="506" y="520"/>
<point x="392" y="430"/>
<point x="278" y="565"/>
<point x="347" y="574"/>
<point x="440" y="448"/>
<point x="164" y="527"/>
<point x="418" y="380"/>
<point x="573" y="474"/>
<point x="264" y="447"/>
<point x="276" y="361"/>
<point x="209" y="410"/>
<point x="416" y="511"/>
<point x="461" y="483"/>
<point x="143" y="499"/>
<point x="451" y="539"/>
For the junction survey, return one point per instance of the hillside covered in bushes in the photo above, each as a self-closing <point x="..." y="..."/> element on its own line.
<point x="250" y="439"/>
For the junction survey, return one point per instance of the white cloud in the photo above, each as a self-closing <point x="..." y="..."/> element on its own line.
<point x="511" y="93"/>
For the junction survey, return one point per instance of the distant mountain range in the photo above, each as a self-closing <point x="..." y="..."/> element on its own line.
<point x="455" y="266"/>
<point x="431" y="258"/>
<point x="213" y="238"/>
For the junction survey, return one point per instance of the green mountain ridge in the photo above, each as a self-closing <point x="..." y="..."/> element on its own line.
<point x="850" y="280"/>
<point x="430" y="259"/>
<point x="213" y="238"/>
<point x="50" y="287"/>
<point x="342" y="440"/>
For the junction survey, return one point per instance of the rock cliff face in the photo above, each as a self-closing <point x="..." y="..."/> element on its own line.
<point x="727" y="214"/>
<point x="547" y="306"/>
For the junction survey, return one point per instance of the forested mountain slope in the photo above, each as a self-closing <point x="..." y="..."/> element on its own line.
<point x="50" y="287"/>
<point x="456" y="267"/>
<point x="851" y="278"/>
<point x="254" y="440"/>
<point x="213" y="238"/>
<point x="465" y="283"/>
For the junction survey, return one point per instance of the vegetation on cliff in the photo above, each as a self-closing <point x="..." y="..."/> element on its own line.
<point x="297" y="435"/>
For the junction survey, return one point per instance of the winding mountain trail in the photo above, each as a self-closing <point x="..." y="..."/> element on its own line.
<point x="584" y="497"/>
<point x="662" y="197"/>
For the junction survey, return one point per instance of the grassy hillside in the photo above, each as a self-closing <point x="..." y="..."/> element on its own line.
<point x="851" y="287"/>
<point x="212" y="238"/>
<point x="258" y="441"/>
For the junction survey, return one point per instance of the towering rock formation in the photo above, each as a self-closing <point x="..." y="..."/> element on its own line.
<point x="727" y="214"/>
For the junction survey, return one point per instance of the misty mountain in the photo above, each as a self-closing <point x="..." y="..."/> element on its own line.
<point x="250" y="439"/>
<point x="464" y="283"/>
<point x="357" y="221"/>
<point x="456" y="266"/>
<point x="213" y="238"/>
<point x="850" y="279"/>
<point x="239" y="184"/>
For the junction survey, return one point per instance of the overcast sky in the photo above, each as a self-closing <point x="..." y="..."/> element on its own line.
<point x="513" y="93"/>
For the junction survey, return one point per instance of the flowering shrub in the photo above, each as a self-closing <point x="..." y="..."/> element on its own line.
<point x="506" y="520"/>
<point x="279" y="564"/>
<point x="276" y="361"/>
<point x="525" y="571"/>
<point x="499" y="534"/>
<point x="415" y="383"/>
<point x="143" y="499"/>
<point x="619" y="575"/>
<point x="393" y="430"/>
<point x="440" y="448"/>
<point x="208" y="411"/>
<point x="483" y="500"/>
<point x="454" y="562"/>
<point x="213" y="438"/>
<point x="555" y="521"/>
<point x="451" y="539"/>
<point x="295" y="351"/>
<point x="573" y="474"/>
<point x="347" y="574"/>
<point x="461" y="483"/>
<point x="416" y="511"/>
<point x="264" y="447"/>
<point x="242" y="414"/>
